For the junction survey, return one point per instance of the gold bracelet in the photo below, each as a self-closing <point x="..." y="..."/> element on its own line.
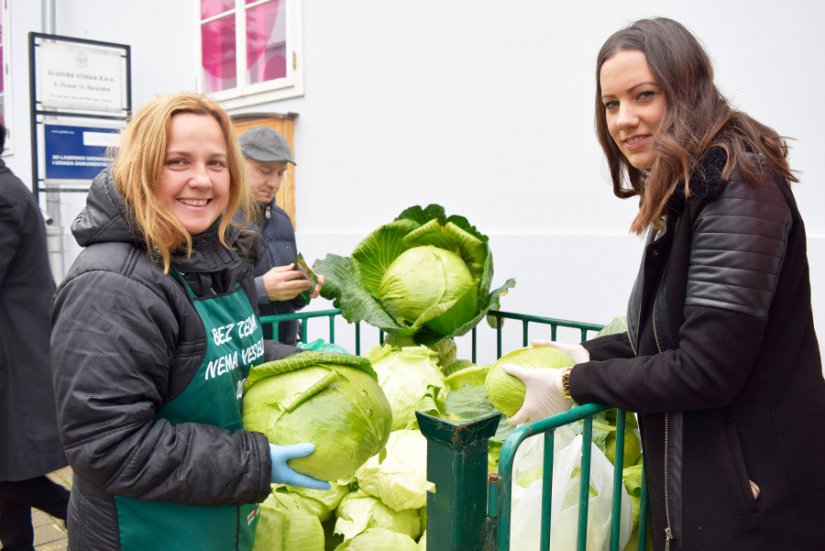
<point x="565" y="383"/>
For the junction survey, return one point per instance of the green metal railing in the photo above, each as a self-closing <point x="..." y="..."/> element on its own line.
<point x="470" y="508"/>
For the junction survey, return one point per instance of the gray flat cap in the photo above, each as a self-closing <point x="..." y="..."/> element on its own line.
<point x="265" y="145"/>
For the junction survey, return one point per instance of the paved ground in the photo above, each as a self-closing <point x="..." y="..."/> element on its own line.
<point x="49" y="532"/>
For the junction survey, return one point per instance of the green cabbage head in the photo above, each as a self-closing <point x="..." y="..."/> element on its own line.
<point x="424" y="276"/>
<point x="360" y="511"/>
<point x="507" y="392"/>
<point x="331" y="400"/>
<point x="411" y="381"/>
<point x="285" y="524"/>
<point x="379" y="538"/>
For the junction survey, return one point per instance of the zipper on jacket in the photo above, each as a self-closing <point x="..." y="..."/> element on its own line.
<point x="627" y="332"/>
<point x="268" y="212"/>
<point x="668" y="531"/>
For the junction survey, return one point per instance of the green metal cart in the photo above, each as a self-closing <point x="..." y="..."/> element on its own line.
<point x="470" y="509"/>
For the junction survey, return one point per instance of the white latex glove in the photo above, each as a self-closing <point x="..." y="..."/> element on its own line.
<point x="575" y="351"/>
<point x="284" y="282"/>
<point x="544" y="396"/>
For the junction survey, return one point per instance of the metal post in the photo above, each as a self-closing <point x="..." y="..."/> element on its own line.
<point x="457" y="466"/>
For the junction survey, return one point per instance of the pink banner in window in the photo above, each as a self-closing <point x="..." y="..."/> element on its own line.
<point x="265" y="42"/>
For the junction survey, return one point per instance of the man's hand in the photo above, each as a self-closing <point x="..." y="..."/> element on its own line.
<point x="318" y="284"/>
<point x="284" y="283"/>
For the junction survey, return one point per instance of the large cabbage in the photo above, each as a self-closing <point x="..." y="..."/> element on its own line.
<point x="398" y="477"/>
<point x="331" y="400"/>
<point x="373" y="539"/>
<point x="423" y="276"/>
<point x="411" y="380"/>
<point x="359" y="511"/>
<point x="285" y="525"/>
<point x="507" y="392"/>
<point x="321" y="503"/>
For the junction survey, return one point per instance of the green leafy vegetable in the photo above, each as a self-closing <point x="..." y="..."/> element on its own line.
<point x="604" y="436"/>
<point x="411" y="380"/>
<point x="425" y="276"/>
<point x="321" y="503"/>
<point x="398" y="477"/>
<point x="379" y="538"/>
<point x="469" y="402"/>
<point x="285" y="525"/>
<point x="507" y="392"/>
<point x="331" y="400"/>
<point x="616" y="325"/>
<point x="360" y="511"/>
<point x="468" y="374"/>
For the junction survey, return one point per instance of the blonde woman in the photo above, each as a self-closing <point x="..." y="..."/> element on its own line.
<point x="154" y="331"/>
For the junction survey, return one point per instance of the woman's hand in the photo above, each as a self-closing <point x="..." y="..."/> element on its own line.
<point x="575" y="351"/>
<point x="544" y="396"/>
<point x="284" y="474"/>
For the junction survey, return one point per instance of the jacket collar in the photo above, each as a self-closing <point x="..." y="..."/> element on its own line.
<point x="706" y="181"/>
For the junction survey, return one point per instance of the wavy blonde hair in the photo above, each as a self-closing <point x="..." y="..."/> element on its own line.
<point x="139" y="161"/>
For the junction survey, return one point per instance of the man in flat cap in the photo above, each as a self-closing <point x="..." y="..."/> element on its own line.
<point x="281" y="286"/>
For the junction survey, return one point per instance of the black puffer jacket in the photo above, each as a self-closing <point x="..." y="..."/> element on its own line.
<point x="125" y="341"/>
<point x="277" y="248"/>
<point x="723" y="365"/>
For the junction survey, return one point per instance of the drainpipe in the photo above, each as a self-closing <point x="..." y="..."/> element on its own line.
<point x="54" y="227"/>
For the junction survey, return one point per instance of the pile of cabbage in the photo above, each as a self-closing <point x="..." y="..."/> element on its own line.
<point x="382" y="503"/>
<point x="422" y="278"/>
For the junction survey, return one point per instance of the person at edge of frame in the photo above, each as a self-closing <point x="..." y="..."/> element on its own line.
<point x="31" y="446"/>
<point x="154" y="332"/>
<point x="721" y="360"/>
<point x="282" y="288"/>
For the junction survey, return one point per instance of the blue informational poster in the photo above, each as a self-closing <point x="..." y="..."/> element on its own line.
<point x="77" y="152"/>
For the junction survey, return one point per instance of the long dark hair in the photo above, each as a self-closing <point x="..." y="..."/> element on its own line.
<point x="697" y="117"/>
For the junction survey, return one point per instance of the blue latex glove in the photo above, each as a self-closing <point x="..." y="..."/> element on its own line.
<point x="283" y="473"/>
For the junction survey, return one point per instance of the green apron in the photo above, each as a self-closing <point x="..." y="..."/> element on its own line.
<point x="234" y="341"/>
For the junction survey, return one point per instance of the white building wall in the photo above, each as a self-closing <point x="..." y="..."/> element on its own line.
<point x="486" y="108"/>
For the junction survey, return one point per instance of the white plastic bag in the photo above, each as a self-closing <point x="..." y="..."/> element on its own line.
<point x="525" y="528"/>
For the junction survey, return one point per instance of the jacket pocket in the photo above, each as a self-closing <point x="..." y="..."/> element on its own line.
<point x="747" y="488"/>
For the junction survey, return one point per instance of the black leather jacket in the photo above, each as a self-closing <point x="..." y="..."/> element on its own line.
<point x="722" y="364"/>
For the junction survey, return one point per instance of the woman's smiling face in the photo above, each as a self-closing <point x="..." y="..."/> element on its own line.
<point x="194" y="182"/>
<point x="634" y="105"/>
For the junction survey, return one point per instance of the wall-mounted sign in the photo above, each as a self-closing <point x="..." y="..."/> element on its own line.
<point x="77" y="77"/>
<point x="77" y="152"/>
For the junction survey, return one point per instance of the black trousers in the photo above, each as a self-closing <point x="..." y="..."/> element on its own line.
<point x="16" y="500"/>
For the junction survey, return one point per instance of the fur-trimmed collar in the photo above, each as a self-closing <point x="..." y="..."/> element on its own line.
<point x="705" y="180"/>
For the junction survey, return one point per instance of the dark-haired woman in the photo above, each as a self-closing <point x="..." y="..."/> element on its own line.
<point x="721" y="360"/>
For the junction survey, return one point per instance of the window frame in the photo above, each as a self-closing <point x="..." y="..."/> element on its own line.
<point x="243" y="95"/>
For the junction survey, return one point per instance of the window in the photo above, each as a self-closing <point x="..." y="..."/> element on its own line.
<point x="249" y="50"/>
